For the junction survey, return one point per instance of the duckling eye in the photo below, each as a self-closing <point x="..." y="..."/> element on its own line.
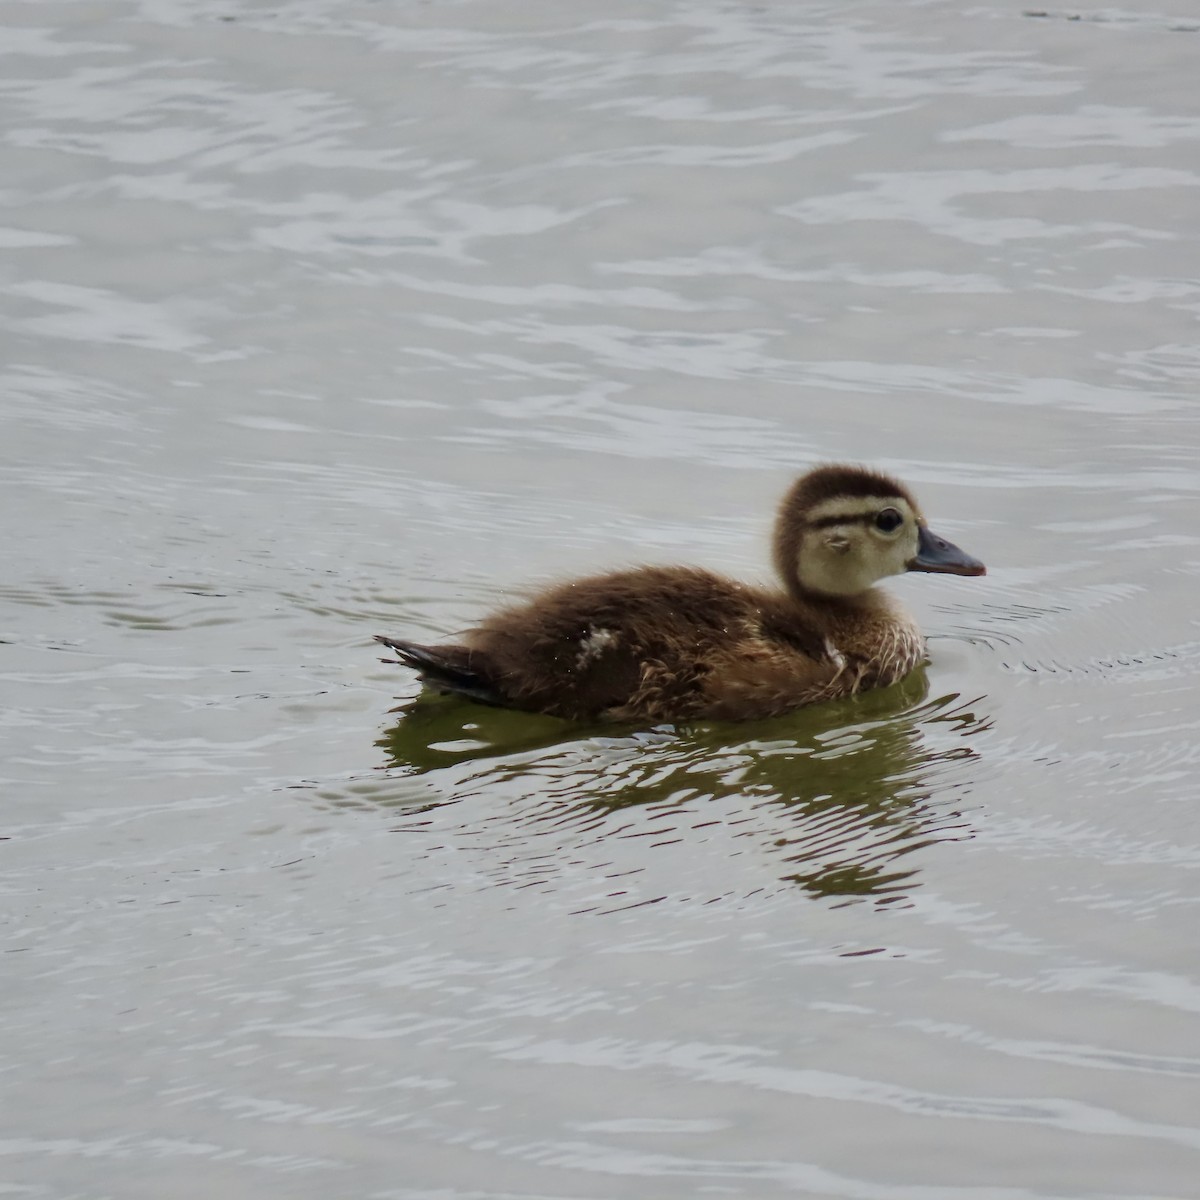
<point x="889" y="520"/>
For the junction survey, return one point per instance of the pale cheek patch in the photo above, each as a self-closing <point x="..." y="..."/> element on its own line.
<point x="593" y="644"/>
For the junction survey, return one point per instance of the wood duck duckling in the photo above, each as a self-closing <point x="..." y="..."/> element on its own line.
<point x="672" y="643"/>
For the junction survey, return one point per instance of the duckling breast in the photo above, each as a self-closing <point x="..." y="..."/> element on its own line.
<point x="883" y="653"/>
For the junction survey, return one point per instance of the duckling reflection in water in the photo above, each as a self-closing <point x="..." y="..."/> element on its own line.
<point x="676" y="643"/>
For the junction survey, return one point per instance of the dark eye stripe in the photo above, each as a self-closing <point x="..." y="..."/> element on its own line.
<point x="848" y="519"/>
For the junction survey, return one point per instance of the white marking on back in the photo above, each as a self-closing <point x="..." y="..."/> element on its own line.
<point x="592" y="645"/>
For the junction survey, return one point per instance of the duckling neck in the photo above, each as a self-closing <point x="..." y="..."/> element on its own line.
<point x="870" y="628"/>
<point x="810" y="598"/>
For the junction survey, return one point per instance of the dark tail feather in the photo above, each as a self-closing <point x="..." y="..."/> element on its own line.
<point x="444" y="667"/>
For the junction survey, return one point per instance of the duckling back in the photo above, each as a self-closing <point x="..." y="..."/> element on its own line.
<point x="666" y="644"/>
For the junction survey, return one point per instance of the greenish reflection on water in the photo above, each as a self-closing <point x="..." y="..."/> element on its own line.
<point x="838" y="795"/>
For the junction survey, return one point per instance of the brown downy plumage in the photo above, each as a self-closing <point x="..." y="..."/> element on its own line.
<point x="668" y="643"/>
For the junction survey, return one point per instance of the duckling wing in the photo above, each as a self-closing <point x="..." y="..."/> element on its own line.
<point x="449" y="668"/>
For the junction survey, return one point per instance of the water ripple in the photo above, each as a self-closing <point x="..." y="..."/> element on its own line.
<point x="837" y="810"/>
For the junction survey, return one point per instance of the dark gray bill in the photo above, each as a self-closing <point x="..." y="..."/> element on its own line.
<point x="936" y="554"/>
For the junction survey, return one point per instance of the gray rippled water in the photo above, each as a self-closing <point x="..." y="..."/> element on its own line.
<point x="323" y="318"/>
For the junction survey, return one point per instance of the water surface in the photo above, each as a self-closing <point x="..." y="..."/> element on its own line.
<point x="323" y="319"/>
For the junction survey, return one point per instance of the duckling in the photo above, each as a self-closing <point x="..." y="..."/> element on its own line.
<point x="672" y="643"/>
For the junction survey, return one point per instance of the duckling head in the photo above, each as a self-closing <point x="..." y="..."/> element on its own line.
<point x="841" y="529"/>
